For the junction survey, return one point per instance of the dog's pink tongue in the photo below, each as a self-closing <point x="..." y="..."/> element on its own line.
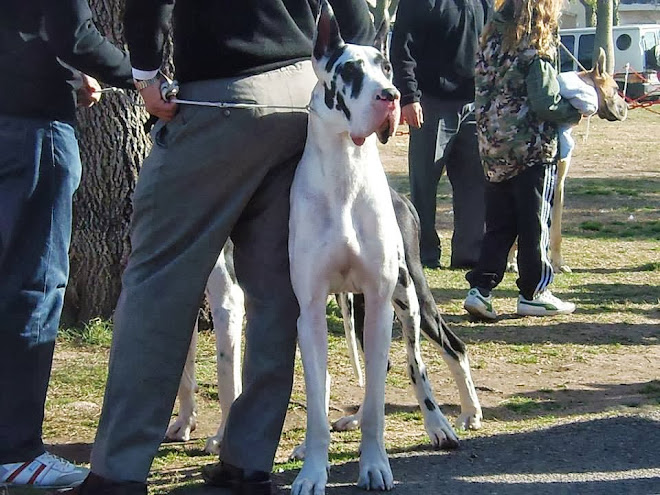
<point x="359" y="141"/>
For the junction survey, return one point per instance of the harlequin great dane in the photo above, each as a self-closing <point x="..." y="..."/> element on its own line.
<point x="611" y="107"/>
<point x="343" y="237"/>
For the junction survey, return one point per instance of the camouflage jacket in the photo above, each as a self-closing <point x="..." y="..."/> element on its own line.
<point x="518" y="107"/>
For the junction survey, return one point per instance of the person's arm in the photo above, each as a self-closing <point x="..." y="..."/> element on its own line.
<point x="146" y="23"/>
<point x="543" y="94"/>
<point x="75" y="39"/>
<point x="354" y="21"/>
<point x="403" y="63"/>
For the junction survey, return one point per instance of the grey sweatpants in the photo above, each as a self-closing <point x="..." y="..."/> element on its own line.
<point x="211" y="174"/>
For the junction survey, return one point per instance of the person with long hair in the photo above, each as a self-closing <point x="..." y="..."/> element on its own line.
<point x="519" y="110"/>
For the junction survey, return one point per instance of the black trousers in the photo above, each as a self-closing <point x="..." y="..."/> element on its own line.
<point x="519" y="207"/>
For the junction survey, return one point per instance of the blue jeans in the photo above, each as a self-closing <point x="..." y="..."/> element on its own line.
<point x="39" y="172"/>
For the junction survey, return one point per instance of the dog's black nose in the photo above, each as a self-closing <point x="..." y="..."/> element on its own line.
<point x="389" y="94"/>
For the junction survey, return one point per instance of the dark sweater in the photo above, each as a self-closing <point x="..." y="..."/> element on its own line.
<point x="37" y="41"/>
<point x="217" y="38"/>
<point x="434" y="45"/>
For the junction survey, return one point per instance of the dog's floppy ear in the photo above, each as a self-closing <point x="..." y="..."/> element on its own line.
<point x="327" y="38"/>
<point x="381" y="39"/>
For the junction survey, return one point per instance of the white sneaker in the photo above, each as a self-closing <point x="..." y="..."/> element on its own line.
<point x="544" y="304"/>
<point x="479" y="306"/>
<point x="46" y="471"/>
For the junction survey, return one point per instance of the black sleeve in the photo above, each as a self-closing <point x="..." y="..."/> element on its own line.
<point x="403" y="62"/>
<point x="354" y="21"/>
<point x="146" y="23"/>
<point x="78" y="43"/>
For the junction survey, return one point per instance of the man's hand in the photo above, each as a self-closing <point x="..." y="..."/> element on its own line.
<point x="412" y="114"/>
<point x="89" y="93"/>
<point x="156" y="105"/>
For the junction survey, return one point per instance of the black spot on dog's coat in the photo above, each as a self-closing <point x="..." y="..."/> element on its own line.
<point x="352" y="74"/>
<point x="412" y="375"/>
<point x="401" y="304"/>
<point x="333" y="58"/>
<point x="341" y="105"/>
<point x="404" y="278"/>
<point x="330" y="95"/>
<point x="429" y="404"/>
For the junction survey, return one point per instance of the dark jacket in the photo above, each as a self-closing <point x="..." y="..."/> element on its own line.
<point x="40" y="42"/>
<point x="215" y="39"/>
<point x="434" y="45"/>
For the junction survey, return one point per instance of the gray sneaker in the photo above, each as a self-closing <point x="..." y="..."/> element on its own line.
<point x="479" y="306"/>
<point x="544" y="304"/>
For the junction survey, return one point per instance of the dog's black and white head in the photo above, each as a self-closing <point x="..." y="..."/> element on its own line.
<point x="355" y="93"/>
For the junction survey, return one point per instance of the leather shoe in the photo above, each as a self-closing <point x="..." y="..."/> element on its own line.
<point x="98" y="485"/>
<point x="226" y="475"/>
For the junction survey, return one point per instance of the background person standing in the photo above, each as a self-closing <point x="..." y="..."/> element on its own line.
<point x="434" y="44"/>
<point x="40" y="43"/>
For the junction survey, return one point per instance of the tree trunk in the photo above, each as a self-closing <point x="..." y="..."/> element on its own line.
<point x="604" y="38"/>
<point x="589" y="12"/>
<point x="112" y="146"/>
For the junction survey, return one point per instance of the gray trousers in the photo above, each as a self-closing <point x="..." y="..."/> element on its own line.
<point x="448" y="140"/>
<point x="211" y="174"/>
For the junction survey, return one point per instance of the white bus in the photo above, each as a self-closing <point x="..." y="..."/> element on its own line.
<point x="634" y="44"/>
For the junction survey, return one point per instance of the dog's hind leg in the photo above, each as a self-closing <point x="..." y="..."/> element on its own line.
<point x="431" y="323"/>
<point x="348" y="317"/>
<point x="186" y="420"/>
<point x="227" y="307"/>
<point x="406" y="307"/>
<point x="557" y="260"/>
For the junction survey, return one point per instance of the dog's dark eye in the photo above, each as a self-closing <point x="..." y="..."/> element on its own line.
<point x="387" y="67"/>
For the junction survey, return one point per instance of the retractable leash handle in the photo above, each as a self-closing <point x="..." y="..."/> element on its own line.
<point x="168" y="91"/>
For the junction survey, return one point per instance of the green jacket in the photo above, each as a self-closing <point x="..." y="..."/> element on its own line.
<point x="518" y="107"/>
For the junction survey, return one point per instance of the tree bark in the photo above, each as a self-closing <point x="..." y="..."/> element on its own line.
<point x="589" y="12"/>
<point x="113" y="144"/>
<point x="604" y="38"/>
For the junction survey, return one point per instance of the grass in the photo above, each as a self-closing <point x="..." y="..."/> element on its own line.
<point x="531" y="373"/>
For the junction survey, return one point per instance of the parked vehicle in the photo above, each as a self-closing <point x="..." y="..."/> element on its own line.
<point x="634" y="44"/>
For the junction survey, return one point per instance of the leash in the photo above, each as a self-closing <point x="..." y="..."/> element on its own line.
<point x="169" y="89"/>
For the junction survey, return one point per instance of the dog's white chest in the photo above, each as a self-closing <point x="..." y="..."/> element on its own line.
<point x="342" y="222"/>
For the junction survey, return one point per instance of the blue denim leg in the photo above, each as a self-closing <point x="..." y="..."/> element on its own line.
<point x="39" y="172"/>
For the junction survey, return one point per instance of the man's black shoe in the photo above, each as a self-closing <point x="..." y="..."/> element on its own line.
<point x="97" y="485"/>
<point x="227" y="476"/>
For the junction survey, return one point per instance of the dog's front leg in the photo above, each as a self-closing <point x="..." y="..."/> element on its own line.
<point x="313" y="342"/>
<point x="375" y="471"/>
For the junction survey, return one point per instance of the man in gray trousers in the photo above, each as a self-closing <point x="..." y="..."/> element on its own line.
<point x="212" y="174"/>
<point x="433" y="53"/>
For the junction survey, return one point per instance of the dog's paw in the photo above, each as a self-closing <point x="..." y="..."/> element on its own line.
<point x="375" y="471"/>
<point x="562" y="268"/>
<point x="180" y="430"/>
<point x="212" y="445"/>
<point x="298" y="453"/>
<point x="440" y="431"/>
<point x="469" y="420"/>
<point x="310" y="481"/>
<point x="346" y="423"/>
